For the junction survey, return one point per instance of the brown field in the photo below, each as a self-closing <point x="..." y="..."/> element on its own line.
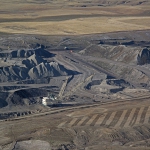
<point x="125" y="122"/>
<point x="77" y="26"/>
<point x="72" y="18"/>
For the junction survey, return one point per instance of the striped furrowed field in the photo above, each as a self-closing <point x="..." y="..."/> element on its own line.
<point x="116" y="119"/>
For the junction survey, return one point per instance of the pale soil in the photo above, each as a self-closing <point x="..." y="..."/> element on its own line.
<point x="87" y="26"/>
<point x="90" y="128"/>
<point x="116" y="126"/>
<point x="70" y="18"/>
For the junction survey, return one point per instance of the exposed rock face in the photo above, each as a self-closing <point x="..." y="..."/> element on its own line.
<point x="143" y="57"/>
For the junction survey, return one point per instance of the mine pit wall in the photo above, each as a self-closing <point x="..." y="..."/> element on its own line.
<point x="3" y="97"/>
<point x="143" y="57"/>
<point x="116" y="90"/>
<point x="94" y="82"/>
<point x="120" y="53"/>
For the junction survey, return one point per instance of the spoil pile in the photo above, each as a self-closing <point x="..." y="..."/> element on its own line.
<point x="25" y="96"/>
<point x="32" y="145"/>
<point x="120" y="53"/>
<point x="40" y="51"/>
<point x="33" y="67"/>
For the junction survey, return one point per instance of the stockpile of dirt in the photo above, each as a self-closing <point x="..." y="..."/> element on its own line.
<point x="111" y="82"/>
<point x="118" y="82"/>
<point x="126" y="62"/>
<point x="32" y="61"/>
<point x="120" y="53"/>
<point x="13" y="73"/>
<point x="39" y="68"/>
<point x="32" y="145"/>
<point x="143" y="57"/>
<point x="3" y="96"/>
<point x="134" y="75"/>
<point x="40" y="51"/>
<point x="131" y="74"/>
<point x="34" y="67"/>
<point x="25" y="96"/>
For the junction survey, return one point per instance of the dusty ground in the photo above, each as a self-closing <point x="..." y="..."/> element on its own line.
<point x="120" y="125"/>
<point x="97" y="68"/>
<point x="123" y="125"/>
<point x="65" y="18"/>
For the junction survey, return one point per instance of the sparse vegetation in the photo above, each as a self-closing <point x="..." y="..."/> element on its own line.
<point x="65" y="17"/>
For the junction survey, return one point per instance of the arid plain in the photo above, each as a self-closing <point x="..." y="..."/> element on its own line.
<point x="74" y="75"/>
<point x="65" y="17"/>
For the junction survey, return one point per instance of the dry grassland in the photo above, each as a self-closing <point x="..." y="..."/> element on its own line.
<point x="78" y="26"/>
<point x="144" y="21"/>
<point x="70" y="17"/>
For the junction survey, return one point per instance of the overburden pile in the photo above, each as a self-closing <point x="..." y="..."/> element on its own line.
<point x="33" y="67"/>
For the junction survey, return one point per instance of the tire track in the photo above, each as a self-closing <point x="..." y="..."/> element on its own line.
<point x="106" y="118"/>
<point x="121" y="118"/>
<point x="81" y="121"/>
<point x="125" y="118"/>
<point x="100" y="119"/>
<point x="147" y="120"/>
<point x="129" y="119"/>
<point x="77" y="121"/>
<point x="92" y="119"/>
<point x="84" y="123"/>
<point x="95" y="120"/>
<point x="55" y="111"/>
<point x="143" y="115"/>
<point x="142" y="109"/>
<point x="116" y="118"/>
<point x="73" y="121"/>
<point x="111" y="118"/>
<point x="132" y="122"/>
<point x="62" y="124"/>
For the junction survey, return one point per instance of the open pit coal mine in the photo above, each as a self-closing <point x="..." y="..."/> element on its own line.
<point x="79" y="92"/>
<point x="23" y="68"/>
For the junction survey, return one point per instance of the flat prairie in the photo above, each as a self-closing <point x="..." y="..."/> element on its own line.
<point x="73" y="17"/>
